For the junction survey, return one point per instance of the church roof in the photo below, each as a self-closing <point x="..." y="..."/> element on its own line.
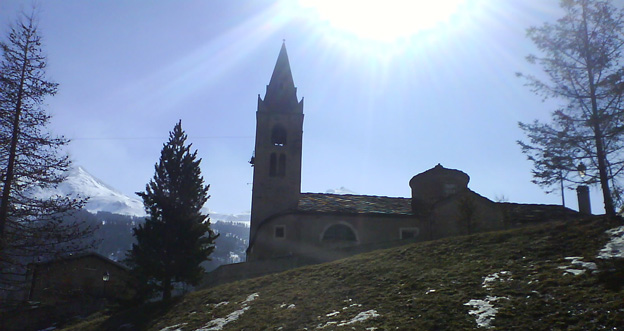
<point x="353" y="204"/>
<point x="281" y="94"/>
<point x="522" y="213"/>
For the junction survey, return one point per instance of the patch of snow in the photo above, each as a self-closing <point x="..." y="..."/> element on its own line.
<point x="330" y="323"/>
<point x="497" y="276"/>
<point x="615" y="247"/>
<point x="218" y="323"/>
<point x="576" y="261"/>
<point x="575" y="272"/>
<point x="174" y="327"/>
<point x="332" y="314"/>
<point x="291" y="306"/>
<point x="352" y="305"/>
<point x="218" y="304"/>
<point x="251" y="298"/>
<point x="361" y="317"/>
<point x="484" y="310"/>
<point x="102" y="197"/>
<point x="430" y="291"/>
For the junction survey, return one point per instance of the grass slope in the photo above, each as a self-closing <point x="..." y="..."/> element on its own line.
<point x="423" y="286"/>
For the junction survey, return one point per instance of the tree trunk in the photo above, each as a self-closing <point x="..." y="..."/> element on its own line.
<point x="598" y="136"/>
<point x="8" y="180"/>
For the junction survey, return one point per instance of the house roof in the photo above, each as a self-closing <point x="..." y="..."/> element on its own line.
<point x="78" y="256"/>
<point x="534" y="213"/>
<point x="353" y="204"/>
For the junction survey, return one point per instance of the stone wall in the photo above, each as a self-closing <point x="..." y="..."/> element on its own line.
<point x="305" y="235"/>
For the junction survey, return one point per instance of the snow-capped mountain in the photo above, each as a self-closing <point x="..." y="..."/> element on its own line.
<point x="102" y="197"/>
<point x="341" y="190"/>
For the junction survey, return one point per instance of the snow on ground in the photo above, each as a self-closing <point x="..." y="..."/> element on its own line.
<point x="497" y="276"/>
<point x="575" y="262"/>
<point x="484" y="310"/>
<point x="215" y="305"/>
<point x="290" y="306"/>
<point x="615" y="247"/>
<point x="360" y="317"/>
<point x="174" y="327"/>
<point x="218" y="323"/>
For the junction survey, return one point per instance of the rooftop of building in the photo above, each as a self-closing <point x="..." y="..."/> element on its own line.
<point x="383" y="205"/>
<point x="353" y="204"/>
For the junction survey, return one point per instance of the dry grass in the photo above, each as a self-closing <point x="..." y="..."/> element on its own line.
<point x="421" y="286"/>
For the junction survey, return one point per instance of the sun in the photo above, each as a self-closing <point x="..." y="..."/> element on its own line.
<point x="384" y="21"/>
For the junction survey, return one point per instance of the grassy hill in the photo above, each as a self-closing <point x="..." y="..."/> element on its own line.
<point x="533" y="278"/>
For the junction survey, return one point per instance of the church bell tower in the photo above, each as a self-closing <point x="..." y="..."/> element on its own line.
<point x="277" y="160"/>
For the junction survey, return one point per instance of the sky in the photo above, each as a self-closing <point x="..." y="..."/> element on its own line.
<point x="380" y="106"/>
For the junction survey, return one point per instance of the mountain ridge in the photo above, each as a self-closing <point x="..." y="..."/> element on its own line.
<point x="79" y="183"/>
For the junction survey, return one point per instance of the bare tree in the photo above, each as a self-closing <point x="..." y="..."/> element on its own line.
<point x="581" y="57"/>
<point x="31" y="222"/>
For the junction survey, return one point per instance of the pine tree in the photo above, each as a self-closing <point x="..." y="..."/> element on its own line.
<point x="582" y="61"/>
<point x="176" y="237"/>
<point x="31" y="225"/>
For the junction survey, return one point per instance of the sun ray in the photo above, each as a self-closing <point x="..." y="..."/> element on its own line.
<point x="384" y="21"/>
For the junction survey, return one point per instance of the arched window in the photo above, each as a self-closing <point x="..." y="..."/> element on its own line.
<point x="277" y="166"/>
<point x="273" y="165"/>
<point x="339" y="233"/>
<point x="281" y="166"/>
<point x="278" y="136"/>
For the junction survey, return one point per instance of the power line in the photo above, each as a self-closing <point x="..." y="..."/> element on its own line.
<point x="160" y="138"/>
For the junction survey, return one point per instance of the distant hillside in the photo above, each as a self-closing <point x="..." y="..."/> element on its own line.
<point x="114" y="237"/>
<point x="116" y="214"/>
<point x="553" y="276"/>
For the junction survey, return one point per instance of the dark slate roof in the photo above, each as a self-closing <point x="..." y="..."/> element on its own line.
<point x="532" y="213"/>
<point x="353" y="204"/>
<point x="78" y="256"/>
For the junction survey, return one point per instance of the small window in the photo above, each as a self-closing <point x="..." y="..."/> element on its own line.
<point x="450" y="189"/>
<point x="409" y="233"/>
<point x="280" y="231"/>
<point x="278" y="136"/>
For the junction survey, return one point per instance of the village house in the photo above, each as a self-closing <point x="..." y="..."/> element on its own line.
<point x="69" y="286"/>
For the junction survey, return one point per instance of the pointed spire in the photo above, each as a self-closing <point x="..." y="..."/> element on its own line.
<point x="281" y="94"/>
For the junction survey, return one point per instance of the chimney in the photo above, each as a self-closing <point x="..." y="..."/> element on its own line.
<point x="582" y="192"/>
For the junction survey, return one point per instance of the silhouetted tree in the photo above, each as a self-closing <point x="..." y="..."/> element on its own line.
<point x="31" y="223"/>
<point x="176" y="237"/>
<point x="581" y="59"/>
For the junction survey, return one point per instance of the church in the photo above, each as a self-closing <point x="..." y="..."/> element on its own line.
<point x="319" y="227"/>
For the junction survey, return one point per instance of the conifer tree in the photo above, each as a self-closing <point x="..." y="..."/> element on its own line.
<point x="176" y="237"/>
<point x="32" y="225"/>
<point x="581" y="55"/>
